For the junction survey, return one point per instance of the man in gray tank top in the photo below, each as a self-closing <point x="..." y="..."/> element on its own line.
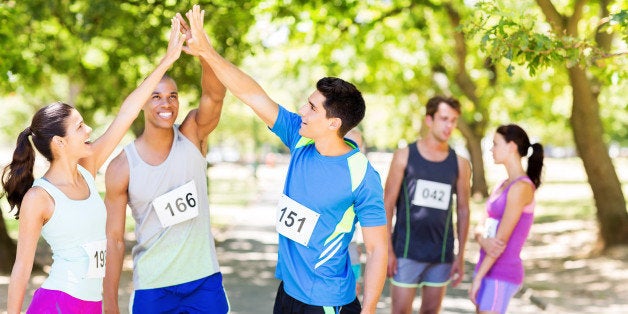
<point x="162" y="176"/>
<point x="419" y="189"/>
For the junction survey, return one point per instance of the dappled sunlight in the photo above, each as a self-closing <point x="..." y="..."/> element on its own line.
<point x="562" y="275"/>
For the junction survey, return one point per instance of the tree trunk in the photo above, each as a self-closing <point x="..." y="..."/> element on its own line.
<point x="475" y="132"/>
<point x="7" y="248"/>
<point x="479" y="188"/>
<point x="588" y="134"/>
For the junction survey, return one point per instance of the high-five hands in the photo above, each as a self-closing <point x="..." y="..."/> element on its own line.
<point x="175" y="42"/>
<point x="196" y="38"/>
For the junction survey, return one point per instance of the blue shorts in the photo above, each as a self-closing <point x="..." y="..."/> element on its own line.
<point x="413" y="274"/>
<point x="494" y="295"/>
<point x="205" y="295"/>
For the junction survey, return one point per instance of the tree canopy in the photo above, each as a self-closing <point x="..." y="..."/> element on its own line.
<point x="552" y="67"/>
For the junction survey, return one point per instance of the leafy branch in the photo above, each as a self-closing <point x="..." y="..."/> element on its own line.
<point x="520" y="40"/>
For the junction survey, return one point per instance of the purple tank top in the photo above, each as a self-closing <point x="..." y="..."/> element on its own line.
<point x="508" y="266"/>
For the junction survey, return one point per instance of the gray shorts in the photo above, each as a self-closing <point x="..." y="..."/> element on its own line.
<point x="413" y="274"/>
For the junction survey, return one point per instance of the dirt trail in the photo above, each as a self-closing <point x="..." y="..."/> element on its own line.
<point x="561" y="277"/>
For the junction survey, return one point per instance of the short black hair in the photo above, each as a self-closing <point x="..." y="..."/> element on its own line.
<point x="342" y="100"/>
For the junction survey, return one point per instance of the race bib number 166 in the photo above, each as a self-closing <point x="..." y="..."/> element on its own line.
<point x="178" y="205"/>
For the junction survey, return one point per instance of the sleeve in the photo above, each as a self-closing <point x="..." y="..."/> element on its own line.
<point x="369" y="203"/>
<point x="287" y="127"/>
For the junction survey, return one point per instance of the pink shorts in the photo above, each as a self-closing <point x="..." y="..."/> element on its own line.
<point x="53" y="301"/>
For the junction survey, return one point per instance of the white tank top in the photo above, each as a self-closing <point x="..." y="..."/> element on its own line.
<point x="182" y="252"/>
<point x="73" y="225"/>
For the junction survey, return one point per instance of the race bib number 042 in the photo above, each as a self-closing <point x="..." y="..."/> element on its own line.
<point x="432" y="194"/>
<point x="295" y="221"/>
<point x="178" y="205"/>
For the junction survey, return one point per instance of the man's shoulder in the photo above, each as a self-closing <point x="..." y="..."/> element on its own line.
<point x="119" y="163"/>
<point x="400" y="156"/>
<point x="463" y="163"/>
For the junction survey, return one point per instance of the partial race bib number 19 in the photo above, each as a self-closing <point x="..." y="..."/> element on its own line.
<point x="96" y="251"/>
<point x="178" y="205"/>
<point x="295" y="221"/>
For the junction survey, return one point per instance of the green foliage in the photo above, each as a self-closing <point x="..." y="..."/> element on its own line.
<point x="93" y="53"/>
<point x="521" y="39"/>
<point x="618" y="23"/>
<point x="517" y="36"/>
<point x="399" y="53"/>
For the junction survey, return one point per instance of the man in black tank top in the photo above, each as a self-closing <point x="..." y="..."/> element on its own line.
<point x="419" y="189"/>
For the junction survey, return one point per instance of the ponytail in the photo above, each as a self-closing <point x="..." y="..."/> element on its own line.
<point x="17" y="177"/>
<point x="514" y="133"/>
<point x="535" y="164"/>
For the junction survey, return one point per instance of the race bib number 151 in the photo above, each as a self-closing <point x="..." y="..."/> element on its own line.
<point x="295" y="221"/>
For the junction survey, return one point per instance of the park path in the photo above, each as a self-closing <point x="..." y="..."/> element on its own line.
<point x="247" y="252"/>
<point x="246" y="243"/>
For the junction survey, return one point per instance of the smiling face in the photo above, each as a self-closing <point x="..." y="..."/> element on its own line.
<point x="314" y="117"/>
<point x="443" y="123"/>
<point x="162" y="108"/>
<point x="76" y="142"/>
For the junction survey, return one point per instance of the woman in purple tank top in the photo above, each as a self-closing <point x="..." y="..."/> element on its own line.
<point x="509" y="216"/>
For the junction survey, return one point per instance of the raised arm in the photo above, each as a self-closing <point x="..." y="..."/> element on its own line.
<point x="235" y="80"/>
<point x="202" y="121"/>
<point x="391" y="193"/>
<point x="132" y="105"/>
<point x="116" y="197"/>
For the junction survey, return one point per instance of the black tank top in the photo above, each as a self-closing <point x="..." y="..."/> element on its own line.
<point x="424" y="232"/>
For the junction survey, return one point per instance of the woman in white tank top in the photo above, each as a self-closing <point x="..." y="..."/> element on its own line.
<point x="67" y="189"/>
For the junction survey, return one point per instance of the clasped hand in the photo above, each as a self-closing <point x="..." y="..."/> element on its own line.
<point x="195" y="38"/>
<point x="493" y="247"/>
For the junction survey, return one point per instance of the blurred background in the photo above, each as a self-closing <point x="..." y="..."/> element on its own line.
<point x="557" y="68"/>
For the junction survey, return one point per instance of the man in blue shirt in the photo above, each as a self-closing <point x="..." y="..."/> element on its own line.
<point x="329" y="187"/>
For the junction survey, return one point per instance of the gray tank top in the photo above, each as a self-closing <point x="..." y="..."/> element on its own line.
<point x="181" y="252"/>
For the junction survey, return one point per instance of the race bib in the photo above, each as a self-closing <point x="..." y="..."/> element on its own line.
<point x="178" y="205"/>
<point x="490" y="227"/>
<point x="295" y="221"/>
<point x="97" y="251"/>
<point x="432" y="194"/>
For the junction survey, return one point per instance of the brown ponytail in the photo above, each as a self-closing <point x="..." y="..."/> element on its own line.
<point x="17" y="177"/>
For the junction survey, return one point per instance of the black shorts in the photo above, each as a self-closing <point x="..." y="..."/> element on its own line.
<point x="285" y="304"/>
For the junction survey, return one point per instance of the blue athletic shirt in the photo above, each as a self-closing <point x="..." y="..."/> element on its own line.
<point x="320" y="273"/>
